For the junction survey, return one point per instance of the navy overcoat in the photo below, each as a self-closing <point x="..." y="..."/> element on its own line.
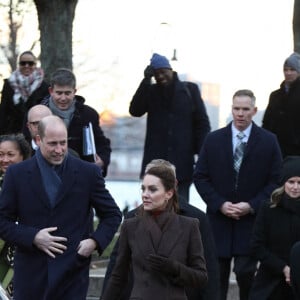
<point x="214" y="178"/>
<point x="24" y="200"/>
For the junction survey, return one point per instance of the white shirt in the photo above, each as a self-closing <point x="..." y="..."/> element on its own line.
<point x="34" y="145"/>
<point x="235" y="139"/>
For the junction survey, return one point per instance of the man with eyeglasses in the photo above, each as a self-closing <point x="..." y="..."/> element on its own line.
<point x="22" y="90"/>
<point x="34" y="116"/>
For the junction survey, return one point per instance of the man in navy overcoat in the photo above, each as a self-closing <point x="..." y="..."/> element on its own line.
<point x="233" y="197"/>
<point x="46" y="211"/>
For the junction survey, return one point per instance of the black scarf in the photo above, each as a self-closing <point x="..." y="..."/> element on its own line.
<point x="290" y="204"/>
<point x="50" y="176"/>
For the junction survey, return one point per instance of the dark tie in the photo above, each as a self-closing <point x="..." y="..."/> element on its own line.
<point x="239" y="152"/>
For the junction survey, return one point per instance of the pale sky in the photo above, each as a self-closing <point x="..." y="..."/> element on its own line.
<point x="235" y="43"/>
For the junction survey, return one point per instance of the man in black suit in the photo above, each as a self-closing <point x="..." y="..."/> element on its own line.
<point x="238" y="167"/>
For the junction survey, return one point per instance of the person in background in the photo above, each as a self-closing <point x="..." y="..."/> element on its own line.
<point x="50" y="196"/>
<point x="34" y="116"/>
<point x="22" y="90"/>
<point x="13" y="149"/>
<point x="208" y="292"/>
<point x="163" y="248"/>
<point x="177" y="122"/>
<point x="64" y="102"/>
<point x="276" y="230"/>
<point x="282" y="113"/>
<point x="295" y="269"/>
<point x="238" y="168"/>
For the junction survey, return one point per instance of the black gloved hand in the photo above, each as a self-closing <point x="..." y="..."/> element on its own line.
<point x="148" y="72"/>
<point x="162" y="264"/>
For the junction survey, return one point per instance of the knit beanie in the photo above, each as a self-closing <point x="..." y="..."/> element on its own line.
<point x="159" y="62"/>
<point x="293" y="61"/>
<point x="290" y="168"/>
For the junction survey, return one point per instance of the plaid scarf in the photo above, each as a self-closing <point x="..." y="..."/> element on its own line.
<point x="24" y="86"/>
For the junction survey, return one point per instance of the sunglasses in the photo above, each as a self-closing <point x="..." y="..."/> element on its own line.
<point x="24" y="63"/>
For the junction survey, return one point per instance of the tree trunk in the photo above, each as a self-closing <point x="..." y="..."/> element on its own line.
<point x="56" y="27"/>
<point x="296" y="26"/>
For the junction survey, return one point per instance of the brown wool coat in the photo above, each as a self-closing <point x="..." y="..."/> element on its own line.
<point x="179" y="240"/>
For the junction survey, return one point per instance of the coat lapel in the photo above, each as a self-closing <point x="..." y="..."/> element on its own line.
<point x="170" y="236"/>
<point x="36" y="182"/>
<point x="69" y="178"/>
<point x="143" y="237"/>
<point x="150" y="239"/>
<point x="228" y="148"/>
<point x="254" y="138"/>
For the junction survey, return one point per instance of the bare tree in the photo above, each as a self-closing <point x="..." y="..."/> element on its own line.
<point x="296" y="26"/>
<point x="56" y="25"/>
<point x="14" y="11"/>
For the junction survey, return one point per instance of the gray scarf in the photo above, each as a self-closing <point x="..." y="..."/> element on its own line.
<point x="66" y="115"/>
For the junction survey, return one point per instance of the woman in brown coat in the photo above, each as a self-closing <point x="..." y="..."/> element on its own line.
<point x="163" y="248"/>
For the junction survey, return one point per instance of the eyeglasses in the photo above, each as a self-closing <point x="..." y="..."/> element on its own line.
<point x="35" y="123"/>
<point x="24" y="63"/>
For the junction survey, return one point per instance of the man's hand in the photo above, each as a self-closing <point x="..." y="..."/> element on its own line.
<point x="86" y="247"/>
<point x="48" y="243"/>
<point x="244" y="208"/>
<point x="99" y="162"/>
<point x="235" y="210"/>
<point x="230" y="210"/>
<point x="148" y="72"/>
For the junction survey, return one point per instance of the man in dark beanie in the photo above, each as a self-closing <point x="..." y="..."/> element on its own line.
<point x="282" y="113"/>
<point x="177" y="120"/>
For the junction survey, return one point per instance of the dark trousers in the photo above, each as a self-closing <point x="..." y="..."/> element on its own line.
<point x="244" y="268"/>
<point x="183" y="189"/>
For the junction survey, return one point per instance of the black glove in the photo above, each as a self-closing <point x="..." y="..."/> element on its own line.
<point x="148" y="72"/>
<point x="162" y="264"/>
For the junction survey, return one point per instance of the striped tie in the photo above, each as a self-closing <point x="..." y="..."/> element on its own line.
<point x="239" y="152"/>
